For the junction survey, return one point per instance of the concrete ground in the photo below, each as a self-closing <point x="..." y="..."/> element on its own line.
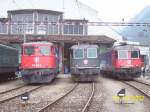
<point x="111" y="103"/>
<point x="145" y="78"/>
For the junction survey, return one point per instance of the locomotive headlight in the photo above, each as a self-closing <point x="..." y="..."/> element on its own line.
<point x="85" y="62"/>
<point x="36" y="59"/>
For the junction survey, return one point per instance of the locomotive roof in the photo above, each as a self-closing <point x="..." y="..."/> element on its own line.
<point x="126" y="47"/>
<point x="83" y="46"/>
<point x="35" y="43"/>
<point x="7" y="47"/>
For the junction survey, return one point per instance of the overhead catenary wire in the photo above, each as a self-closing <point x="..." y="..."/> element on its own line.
<point x="79" y="11"/>
<point x="146" y="24"/>
<point x="15" y="3"/>
<point x="111" y="28"/>
<point x="31" y="4"/>
<point x="110" y="24"/>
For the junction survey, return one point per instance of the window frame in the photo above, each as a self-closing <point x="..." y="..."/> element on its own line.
<point x="49" y="53"/>
<point x="121" y="53"/>
<point x="88" y="52"/>
<point x="138" y="52"/>
<point x="82" y="53"/>
<point x="28" y="47"/>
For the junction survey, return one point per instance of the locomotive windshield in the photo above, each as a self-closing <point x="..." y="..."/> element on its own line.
<point x="28" y="50"/>
<point x="44" y="50"/>
<point x="92" y="52"/>
<point x="134" y="54"/>
<point x="122" y="54"/>
<point x="78" y="53"/>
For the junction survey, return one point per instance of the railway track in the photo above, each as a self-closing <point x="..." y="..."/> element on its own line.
<point x="37" y="99"/>
<point x="10" y="80"/>
<point x="12" y="89"/>
<point x="142" y="87"/>
<point x="51" y="105"/>
<point x="16" y="92"/>
<point x="90" y="99"/>
<point x="146" y="83"/>
<point x="47" y="108"/>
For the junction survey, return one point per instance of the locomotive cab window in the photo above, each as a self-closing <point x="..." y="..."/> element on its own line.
<point x="44" y="50"/>
<point x="78" y="53"/>
<point x="122" y="54"/>
<point x="134" y="54"/>
<point x="29" y="50"/>
<point x="91" y="52"/>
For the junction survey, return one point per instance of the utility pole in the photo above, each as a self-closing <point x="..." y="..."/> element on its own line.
<point x="24" y="34"/>
<point x="63" y="7"/>
<point x="148" y="46"/>
<point x="149" y="54"/>
<point x="24" y="37"/>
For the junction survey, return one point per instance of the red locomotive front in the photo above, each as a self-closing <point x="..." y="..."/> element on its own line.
<point x="121" y="62"/>
<point x="38" y="62"/>
<point x="127" y="59"/>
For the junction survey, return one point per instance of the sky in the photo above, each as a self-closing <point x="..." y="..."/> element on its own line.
<point x="117" y="10"/>
<point x="109" y="10"/>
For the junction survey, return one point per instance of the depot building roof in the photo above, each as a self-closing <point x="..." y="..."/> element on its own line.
<point x="58" y="38"/>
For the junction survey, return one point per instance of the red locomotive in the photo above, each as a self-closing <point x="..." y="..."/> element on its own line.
<point x="39" y="62"/>
<point x="122" y="62"/>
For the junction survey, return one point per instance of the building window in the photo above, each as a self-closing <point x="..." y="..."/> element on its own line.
<point x="76" y="29"/>
<point x="22" y="23"/>
<point x="66" y="29"/>
<point x="3" y="28"/>
<point x="81" y="29"/>
<point x="48" y="24"/>
<point x="73" y="28"/>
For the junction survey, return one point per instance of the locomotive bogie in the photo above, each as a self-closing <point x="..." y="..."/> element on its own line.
<point x="85" y="74"/>
<point x="84" y="78"/>
<point x="88" y="71"/>
<point x="38" y="75"/>
<point x="126" y="74"/>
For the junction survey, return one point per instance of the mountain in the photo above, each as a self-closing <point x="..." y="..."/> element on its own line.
<point x="139" y="33"/>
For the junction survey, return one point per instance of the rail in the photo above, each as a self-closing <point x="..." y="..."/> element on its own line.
<point x="90" y="98"/>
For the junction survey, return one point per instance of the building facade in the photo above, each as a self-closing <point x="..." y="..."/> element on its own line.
<point x="41" y="22"/>
<point x="46" y="25"/>
<point x="34" y="22"/>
